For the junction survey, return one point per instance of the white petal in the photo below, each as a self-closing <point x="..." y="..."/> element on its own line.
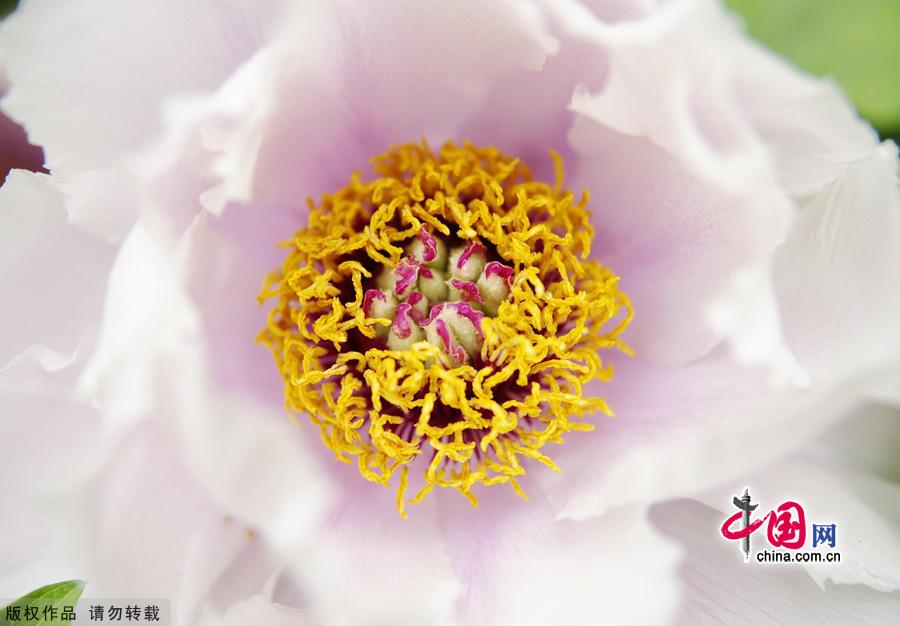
<point x="257" y="610"/>
<point x="114" y="66"/>
<point x="810" y="129"/>
<point x="40" y="534"/>
<point x="255" y="579"/>
<point x="368" y="565"/>
<point x="92" y="508"/>
<point x="119" y="512"/>
<point x="145" y="317"/>
<point x="721" y="588"/>
<point x="52" y="276"/>
<point x="663" y="84"/>
<point x="836" y="275"/>
<point x="157" y="535"/>
<point x="4" y="80"/>
<point x="151" y="363"/>
<point x="854" y="468"/>
<point x="42" y="420"/>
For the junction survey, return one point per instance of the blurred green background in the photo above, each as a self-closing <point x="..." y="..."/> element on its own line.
<point x="855" y="41"/>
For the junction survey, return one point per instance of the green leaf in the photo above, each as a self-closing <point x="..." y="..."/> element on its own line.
<point x="56" y="595"/>
<point x="6" y="7"/>
<point x="855" y="41"/>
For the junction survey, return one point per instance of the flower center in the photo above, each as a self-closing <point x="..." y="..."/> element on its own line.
<point x="439" y="293"/>
<point x="444" y="317"/>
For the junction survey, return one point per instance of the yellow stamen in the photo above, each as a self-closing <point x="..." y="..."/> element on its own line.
<point x="464" y="422"/>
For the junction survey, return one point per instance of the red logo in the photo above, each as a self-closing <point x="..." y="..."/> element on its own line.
<point x="786" y="525"/>
<point x="786" y="529"/>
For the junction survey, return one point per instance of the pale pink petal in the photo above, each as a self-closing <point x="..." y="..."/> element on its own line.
<point x="259" y="611"/>
<point x="368" y="565"/>
<point x="256" y="578"/>
<point x="519" y="565"/>
<point x="90" y="509"/>
<point x="39" y="532"/>
<point x="347" y="89"/>
<point x="810" y="129"/>
<point x="111" y="67"/>
<point x="52" y="276"/>
<point x="537" y="99"/>
<point x="675" y="239"/>
<point x="681" y="430"/>
<point x="225" y="260"/>
<point x="252" y="462"/>
<point x="684" y="194"/>
<point x="141" y="552"/>
<point x="297" y="118"/>
<point x="832" y="300"/>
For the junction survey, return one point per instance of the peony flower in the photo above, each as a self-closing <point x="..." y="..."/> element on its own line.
<point x="469" y="234"/>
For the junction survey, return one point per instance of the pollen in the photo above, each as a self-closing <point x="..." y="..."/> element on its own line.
<point x="439" y="321"/>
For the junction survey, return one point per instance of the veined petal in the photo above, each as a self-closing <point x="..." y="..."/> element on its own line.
<point x="835" y="275"/>
<point x="367" y="564"/>
<point x="521" y="566"/>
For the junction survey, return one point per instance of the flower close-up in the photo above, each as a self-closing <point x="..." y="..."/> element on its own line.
<point x="444" y="303"/>
<point x="432" y="312"/>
